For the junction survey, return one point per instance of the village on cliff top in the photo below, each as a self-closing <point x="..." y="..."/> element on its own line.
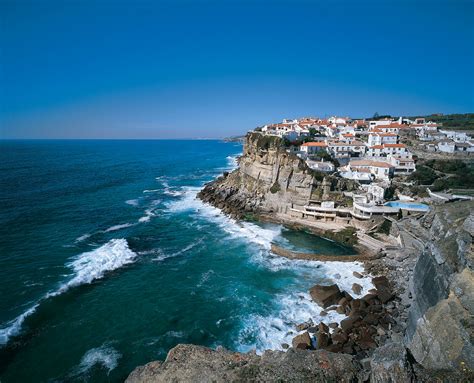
<point x="371" y="152"/>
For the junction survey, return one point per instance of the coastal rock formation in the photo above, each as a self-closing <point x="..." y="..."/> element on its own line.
<point x="416" y="325"/>
<point x="270" y="180"/>
<point x="189" y="363"/>
<point x="440" y="326"/>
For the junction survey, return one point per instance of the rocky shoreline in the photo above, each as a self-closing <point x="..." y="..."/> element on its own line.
<point x="415" y="325"/>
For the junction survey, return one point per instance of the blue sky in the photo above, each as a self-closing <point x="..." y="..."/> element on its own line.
<point x="175" y="69"/>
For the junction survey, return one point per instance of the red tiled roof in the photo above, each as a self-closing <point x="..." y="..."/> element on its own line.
<point x="315" y="144"/>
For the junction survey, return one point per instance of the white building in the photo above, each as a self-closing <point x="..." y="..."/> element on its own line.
<point x="311" y="148"/>
<point x="346" y="149"/>
<point x="379" y="169"/>
<point x="446" y="146"/>
<point x="382" y="138"/>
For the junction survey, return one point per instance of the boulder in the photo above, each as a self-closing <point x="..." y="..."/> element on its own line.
<point x="357" y="275"/>
<point x="339" y="337"/>
<point x="356" y="288"/>
<point x="442" y="338"/>
<point x="325" y="296"/>
<point x="348" y="323"/>
<point x="389" y="364"/>
<point x="323" y="328"/>
<point x="322" y="340"/>
<point x="302" y="341"/>
<point x="384" y="294"/>
<point x="380" y="281"/>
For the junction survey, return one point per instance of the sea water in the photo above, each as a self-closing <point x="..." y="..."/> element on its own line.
<point x="108" y="260"/>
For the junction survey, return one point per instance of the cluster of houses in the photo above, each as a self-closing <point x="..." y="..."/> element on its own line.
<point x="366" y="150"/>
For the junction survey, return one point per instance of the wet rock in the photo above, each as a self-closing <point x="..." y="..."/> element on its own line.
<point x="303" y="326"/>
<point x="340" y="310"/>
<point x="325" y="296"/>
<point x="356" y="288"/>
<point x="333" y="325"/>
<point x="323" y="313"/>
<point x="302" y="341"/>
<point x="285" y="346"/>
<point x="357" y="275"/>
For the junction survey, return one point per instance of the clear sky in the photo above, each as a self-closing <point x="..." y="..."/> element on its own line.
<point x="174" y="69"/>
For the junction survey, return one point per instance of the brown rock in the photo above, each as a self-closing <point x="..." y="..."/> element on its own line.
<point x="384" y="294"/>
<point x="325" y="296"/>
<point x="322" y="340"/>
<point x="357" y="275"/>
<point x="348" y="323"/>
<point x="323" y="328"/>
<point x="380" y="281"/>
<point x="323" y="313"/>
<point x="302" y="326"/>
<point x="340" y="310"/>
<point x="343" y="302"/>
<point x="302" y="341"/>
<point x="334" y="347"/>
<point x="340" y="337"/>
<point x="333" y="325"/>
<point x="356" y="288"/>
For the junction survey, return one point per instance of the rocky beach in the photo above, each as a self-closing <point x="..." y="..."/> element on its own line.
<point x="414" y="323"/>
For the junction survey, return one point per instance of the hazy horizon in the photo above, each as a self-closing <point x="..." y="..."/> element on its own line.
<point x="213" y="69"/>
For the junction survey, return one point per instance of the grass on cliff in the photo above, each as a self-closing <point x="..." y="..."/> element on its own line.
<point x="444" y="174"/>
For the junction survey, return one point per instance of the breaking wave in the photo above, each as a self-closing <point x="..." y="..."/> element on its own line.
<point x="87" y="267"/>
<point x="104" y="356"/>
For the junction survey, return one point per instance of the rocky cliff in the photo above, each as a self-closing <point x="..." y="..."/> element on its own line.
<point x="429" y="336"/>
<point x="270" y="180"/>
<point x="441" y="318"/>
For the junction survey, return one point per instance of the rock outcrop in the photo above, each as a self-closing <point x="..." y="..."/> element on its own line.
<point x="270" y="180"/>
<point x="416" y="325"/>
<point x="189" y="363"/>
<point x="440" y="326"/>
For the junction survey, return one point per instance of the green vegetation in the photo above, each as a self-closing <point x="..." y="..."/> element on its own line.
<point x="275" y="188"/>
<point x="385" y="227"/>
<point x="452" y="121"/>
<point x="389" y="193"/>
<point x="423" y="175"/>
<point x="444" y="174"/>
<point x="266" y="142"/>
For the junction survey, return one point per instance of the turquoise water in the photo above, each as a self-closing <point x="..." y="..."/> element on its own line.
<point x="107" y="260"/>
<point x="408" y="205"/>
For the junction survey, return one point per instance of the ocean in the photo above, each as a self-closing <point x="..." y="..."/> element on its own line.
<point x="108" y="260"/>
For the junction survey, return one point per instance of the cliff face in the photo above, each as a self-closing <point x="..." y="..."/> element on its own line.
<point x="440" y="321"/>
<point x="270" y="180"/>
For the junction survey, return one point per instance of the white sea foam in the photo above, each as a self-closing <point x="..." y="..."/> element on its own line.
<point x="118" y="227"/>
<point x="271" y="331"/>
<point x="164" y="256"/>
<point x="82" y="237"/>
<point x="105" y="356"/>
<point x="132" y="202"/>
<point x="87" y="267"/>
<point x="244" y="230"/>
<point x="14" y="326"/>
<point x="151" y="190"/>
<point x="232" y="162"/>
<point x="148" y="214"/>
